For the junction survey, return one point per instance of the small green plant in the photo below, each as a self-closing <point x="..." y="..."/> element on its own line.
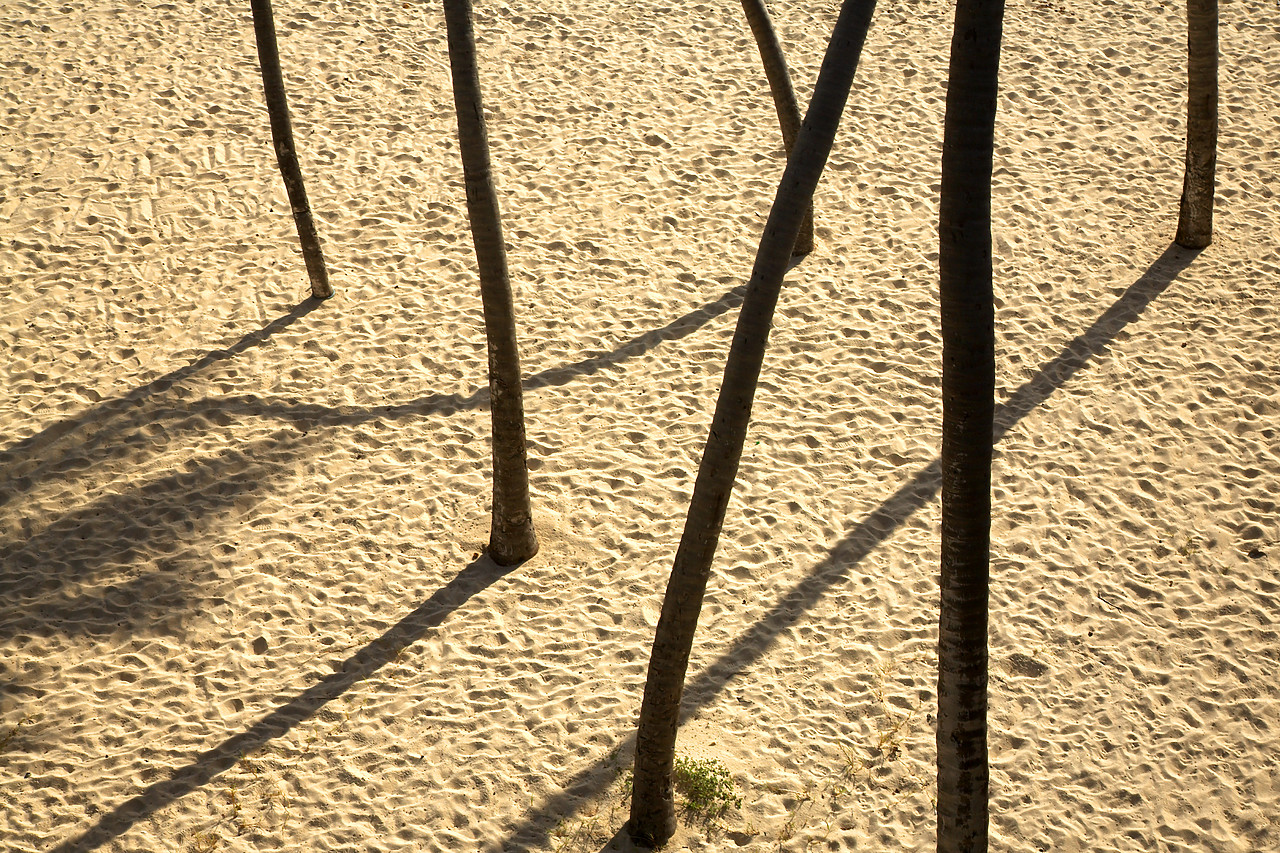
<point x="706" y="785"/>
<point x="706" y="792"/>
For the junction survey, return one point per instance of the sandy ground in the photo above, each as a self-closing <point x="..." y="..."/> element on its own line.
<point x="241" y="604"/>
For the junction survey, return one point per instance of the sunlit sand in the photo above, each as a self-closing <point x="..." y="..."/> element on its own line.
<point x="242" y="606"/>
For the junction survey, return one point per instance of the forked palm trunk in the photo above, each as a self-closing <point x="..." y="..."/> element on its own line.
<point x="968" y="404"/>
<point x="264" y="31"/>
<point x="784" y="98"/>
<point x="1195" y="212"/>
<point x="511" y="536"/>
<point x="652" y="803"/>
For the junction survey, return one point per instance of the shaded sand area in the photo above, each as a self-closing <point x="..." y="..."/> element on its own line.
<point x="241" y="607"/>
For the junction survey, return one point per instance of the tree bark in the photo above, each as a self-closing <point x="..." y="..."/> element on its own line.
<point x="264" y="31"/>
<point x="652" y="820"/>
<point x="968" y="404"/>
<point x="784" y="98"/>
<point x="511" y="537"/>
<point x="1195" y="212"/>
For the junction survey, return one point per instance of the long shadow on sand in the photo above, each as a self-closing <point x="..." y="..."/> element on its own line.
<point x="913" y="495"/>
<point x="31" y="448"/>
<point x="153" y="522"/>
<point x="534" y="832"/>
<point x="65" y="577"/>
<point x="364" y="663"/>
<point x="130" y="559"/>
<point x="80" y="573"/>
<point x="39" y="455"/>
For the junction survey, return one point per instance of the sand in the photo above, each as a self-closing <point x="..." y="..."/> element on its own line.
<point x="241" y="602"/>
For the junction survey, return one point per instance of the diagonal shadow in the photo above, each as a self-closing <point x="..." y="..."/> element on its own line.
<point x="108" y="408"/>
<point x="50" y="583"/>
<point x="135" y="414"/>
<point x="63" y="577"/>
<point x="681" y="327"/>
<point x="134" y="558"/>
<point x="360" y="666"/>
<point x="925" y="483"/>
<point x="534" y="832"/>
<point x="1096" y="339"/>
<point x="875" y="529"/>
<point x="448" y="404"/>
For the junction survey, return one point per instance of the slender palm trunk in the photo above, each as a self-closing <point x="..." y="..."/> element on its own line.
<point x="264" y="31"/>
<point x="652" y="804"/>
<point x="968" y="404"/>
<point x="511" y="536"/>
<point x="1195" y="213"/>
<point x="784" y="98"/>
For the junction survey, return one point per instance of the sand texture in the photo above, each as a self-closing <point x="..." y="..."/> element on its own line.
<point x="242" y="606"/>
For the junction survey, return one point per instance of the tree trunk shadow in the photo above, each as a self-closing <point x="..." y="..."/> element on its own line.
<point x="473" y="579"/>
<point x="848" y="553"/>
<point x="39" y="454"/>
<point x="533" y="833"/>
<point x="31" y="448"/>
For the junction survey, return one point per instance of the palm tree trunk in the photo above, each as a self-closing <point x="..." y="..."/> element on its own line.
<point x="652" y="804"/>
<point x="784" y="98"/>
<point x="511" y="537"/>
<point x="264" y="31"/>
<point x="968" y="404"/>
<point x="1195" y="213"/>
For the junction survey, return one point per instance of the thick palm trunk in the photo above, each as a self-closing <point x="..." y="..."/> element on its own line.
<point x="1195" y="213"/>
<point x="652" y="804"/>
<point x="511" y="536"/>
<point x="264" y="31"/>
<point x="968" y="403"/>
<point x="784" y="98"/>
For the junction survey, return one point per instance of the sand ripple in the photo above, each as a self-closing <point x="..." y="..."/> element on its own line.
<point x="240" y="601"/>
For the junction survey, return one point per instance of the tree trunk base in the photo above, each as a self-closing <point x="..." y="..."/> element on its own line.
<point x="653" y="833"/>
<point x="510" y="547"/>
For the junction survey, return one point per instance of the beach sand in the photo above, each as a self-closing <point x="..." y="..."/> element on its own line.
<point x="242" y="606"/>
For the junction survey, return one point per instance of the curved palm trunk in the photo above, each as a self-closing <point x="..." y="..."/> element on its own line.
<point x="968" y="403"/>
<point x="1195" y="213"/>
<point x="652" y="804"/>
<point x="511" y="536"/>
<point x="264" y="31"/>
<point x="784" y="98"/>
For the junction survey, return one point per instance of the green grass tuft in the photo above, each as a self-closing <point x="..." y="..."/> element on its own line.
<point x="706" y="785"/>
